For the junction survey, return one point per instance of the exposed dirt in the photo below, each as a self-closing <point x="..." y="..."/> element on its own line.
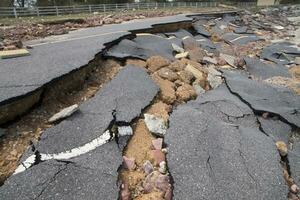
<point x="30" y="126"/>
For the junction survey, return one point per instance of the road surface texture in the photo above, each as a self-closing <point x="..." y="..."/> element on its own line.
<point x="207" y="111"/>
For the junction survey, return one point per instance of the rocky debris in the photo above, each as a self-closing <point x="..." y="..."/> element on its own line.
<point x="168" y="74"/>
<point x="186" y="76"/>
<point x="279" y="81"/>
<point x="196" y="54"/>
<point x="210" y="60"/>
<point x="183" y="55"/>
<point x="214" y="81"/>
<point x="154" y="63"/>
<point x="160" y="110"/>
<point x="177" y="48"/>
<point x="129" y="163"/>
<point x="199" y="74"/>
<point x="233" y="156"/>
<point x="228" y="58"/>
<point x="155" y="125"/>
<point x="185" y="93"/>
<point x="167" y="91"/>
<point x="157" y="156"/>
<point x="177" y="66"/>
<point x="297" y="60"/>
<point x="64" y="113"/>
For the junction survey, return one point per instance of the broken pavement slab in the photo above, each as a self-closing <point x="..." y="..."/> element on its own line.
<point x="280" y="53"/>
<point x="261" y="70"/>
<point x="88" y="176"/>
<point x="122" y="99"/>
<point x="13" y="53"/>
<point x="221" y="159"/>
<point x="265" y="98"/>
<point x="143" y="46"/>
<point x="240" y="39"/>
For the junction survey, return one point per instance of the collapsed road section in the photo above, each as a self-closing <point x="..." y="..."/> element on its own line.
<point x="194" y="113"/>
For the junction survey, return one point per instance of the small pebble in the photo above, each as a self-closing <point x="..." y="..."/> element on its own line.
<point x="162" y="167"/>
<point x="148" y="167"/>
<point x="129" y="163"/>
<point x="282" y="148"/>
<point x="294" y="189"/>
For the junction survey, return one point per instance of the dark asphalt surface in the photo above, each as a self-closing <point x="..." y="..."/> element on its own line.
<point x="95" y="173"/>
<point x="59" y="55"/>
<point x="261" y="70"/>
<point x="219" y="153"/>
<point x="265" y="98"/>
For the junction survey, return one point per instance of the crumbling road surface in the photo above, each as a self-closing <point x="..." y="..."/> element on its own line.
<point x="206" y="108"/>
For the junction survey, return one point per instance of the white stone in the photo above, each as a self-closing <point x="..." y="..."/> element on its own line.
<point x="162" y="167"/>
<point x="155" y="125"/>
<point x="66" y="112"/>
<point x="214" y="81"/>
<point x="125" y="131"/>
<point x="177" y="48"/>
<point x="198" y="89"/>
<point x="182" y="55"/>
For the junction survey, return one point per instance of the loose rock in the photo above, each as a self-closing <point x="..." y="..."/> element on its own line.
<point x="167" y="92"/>
<point x="155" y="125"/>
<point x="177" y="66"/>
<point x="182" y="55"/>
<point x="129" y="163"/>
<point x="177" y="48"/>
<point x="163" y="167"/>
<point x="282" y="148"/>
<point x="148" y="168"/>
<point x="185" y="93"/>
<point x="166" y="73"/>
<point x="136" y="62"/>
<point x="156" y="62"/>
<point x="186" y="76"/>
<point x="157" y="143"/>
<point x="66" y="112"/>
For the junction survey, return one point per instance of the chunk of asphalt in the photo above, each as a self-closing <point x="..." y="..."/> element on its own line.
<point x="211" y="158"/>
<point x="263" y="71"/>
<point x="181" y="33"/>
<point x="240" y="39"/>
<point x="276" y="129"/>
<point x="201" y="30"/>
<point x="207" y="44"/>
<point x="241" y="30"/>
<point x="143" y="46"/>
<point x="125" y="97"/>
<point x="280" y="53"/>
<point x="265" y="98"/>
<point x="87" y="176"/>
